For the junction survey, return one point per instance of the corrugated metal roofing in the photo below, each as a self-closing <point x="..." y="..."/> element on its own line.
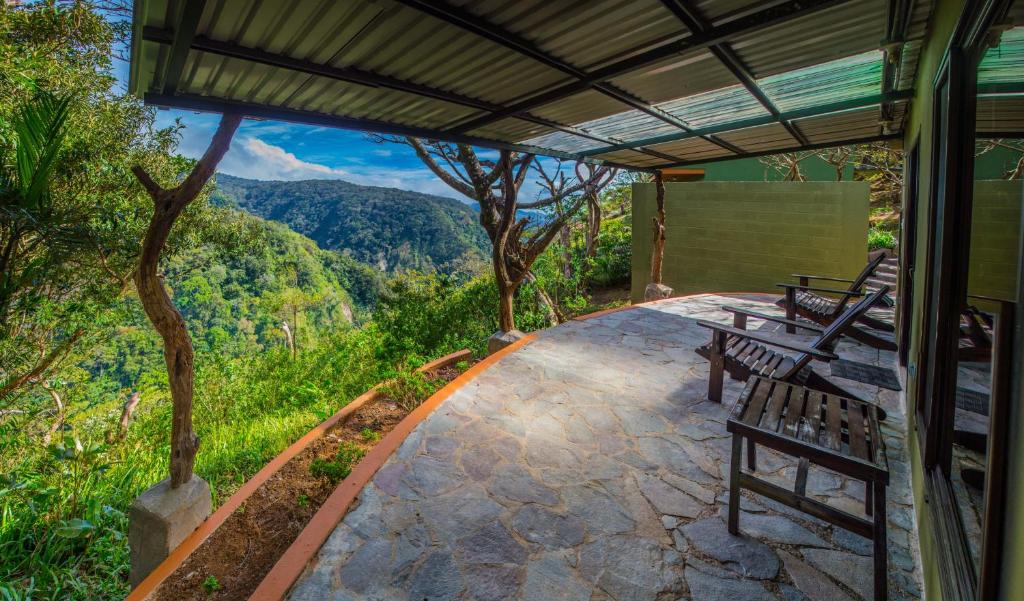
<point x="559" y="76"/>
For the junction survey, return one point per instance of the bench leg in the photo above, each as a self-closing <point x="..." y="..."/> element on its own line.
<point x="881" y="551"/>
<point x="790" y="309"/>
<point x="751" y="455"/>
<point x="734" y="484"/>
<point x="717" y="376"/>
<point x="869" y="494"/>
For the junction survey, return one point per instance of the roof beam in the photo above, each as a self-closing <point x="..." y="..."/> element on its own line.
<point x="193" y="102"/>
<point x="696" y="22"/>
<point x="467" y="21"/>
<point x="362" y="77"/>
<point x="761" y="153"/>
<point x="897" y="24"/>
<point x="773" y="15"/>
<point x="816" y="111"/>
<point x="184" y="32"/>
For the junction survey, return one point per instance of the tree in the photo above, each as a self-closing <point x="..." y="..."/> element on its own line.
<point x="658" y="248"/>
<point x="1016" y="171"/>
<point x="168" y="204"/>
<point x="787" y="164"/>
<point x="494" y="185"/>
<point x="838" y="158"/>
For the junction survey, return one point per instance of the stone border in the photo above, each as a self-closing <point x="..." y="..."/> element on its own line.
<point x="289" y="567"/>
<point x="210" y="525"/>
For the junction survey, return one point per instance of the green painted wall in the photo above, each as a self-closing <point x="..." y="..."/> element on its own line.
<point x="995" y="239"/>
<point x="919" y="119"/>
<point x="751" y="170"/>
<point x="748" y="236"/>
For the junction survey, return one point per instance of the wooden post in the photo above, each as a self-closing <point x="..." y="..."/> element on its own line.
<point x="716" y="378"/>
<point x="658" y="249"/>
<point x="790" y="309"/>
<point x="734" y="484"/>
<point x="168" y="203"/>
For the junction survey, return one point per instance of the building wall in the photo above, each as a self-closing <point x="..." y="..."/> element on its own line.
<point x="995" y="239"/>
<point x="748" y="236"/>
<point x="751" y="170"/>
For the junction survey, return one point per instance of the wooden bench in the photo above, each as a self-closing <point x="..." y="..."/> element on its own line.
<point x="834" y="432"/>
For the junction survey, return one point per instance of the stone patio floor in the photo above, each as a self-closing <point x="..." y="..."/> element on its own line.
<point x="589" y="465"/>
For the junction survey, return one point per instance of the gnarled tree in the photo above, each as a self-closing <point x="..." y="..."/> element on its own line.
<point x="168" y="203"/>
<point x="494" y="185"/>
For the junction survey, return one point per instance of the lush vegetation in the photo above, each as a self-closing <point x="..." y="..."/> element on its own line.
<point x="388" y="228"/>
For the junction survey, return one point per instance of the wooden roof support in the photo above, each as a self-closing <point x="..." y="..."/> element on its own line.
<point x="773" y="15"/>
<point x="188" y="23"/>
<point x="696" y="22"/>
<point x="365" y="78"/>
<point x="467" y="21"/>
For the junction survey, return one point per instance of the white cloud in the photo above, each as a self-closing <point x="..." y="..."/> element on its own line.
<point x="253" y="158"/>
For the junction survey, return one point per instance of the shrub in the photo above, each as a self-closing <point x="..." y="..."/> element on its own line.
<point x="409" y="388"/>
<point x="879" y="238"/>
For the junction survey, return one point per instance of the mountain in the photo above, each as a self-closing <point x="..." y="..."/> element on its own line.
<point x="389" y="228"/>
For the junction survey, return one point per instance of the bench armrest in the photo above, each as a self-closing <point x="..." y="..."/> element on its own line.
<point x="770" y="340"/>
<point x="789" y="322"/>
<point x="825" y="290"/>
<point x="821" y="277"/>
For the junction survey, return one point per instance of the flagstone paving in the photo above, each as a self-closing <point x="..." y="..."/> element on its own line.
<point x="589" y="465"/>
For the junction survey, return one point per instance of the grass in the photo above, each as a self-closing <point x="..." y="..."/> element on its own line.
<point x="879" y="238"/>
<point x="340" y="466"/>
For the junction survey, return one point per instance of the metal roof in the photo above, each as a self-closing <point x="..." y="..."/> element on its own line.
<point x="639" y="83"/>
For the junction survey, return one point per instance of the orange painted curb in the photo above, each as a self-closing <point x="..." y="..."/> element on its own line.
<point x="289" y="567"/>
<point x="210" y="525"/>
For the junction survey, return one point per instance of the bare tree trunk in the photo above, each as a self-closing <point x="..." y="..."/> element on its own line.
<point x="593" y="224"/>
<point x="167" y="206"/>
<point x="658" y="251"/>
<point x="506" y="294"/>
<point x="565" y="238"/>
<point x="58" y="412"/>
<point x="289" y="338"/>
<point x="126" y="415"/>
<point x="554" y="315"/>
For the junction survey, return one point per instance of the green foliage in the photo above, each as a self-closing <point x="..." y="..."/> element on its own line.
<point x="879" y="239"/>
<point x="370" y="435"/>
<point x="388" y="228"/>
<point x="340" y="466"/>
<point x="211" y="584"/>
<point x="409" y="389"/>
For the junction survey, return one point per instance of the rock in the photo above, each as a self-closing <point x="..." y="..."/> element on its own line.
<point x="792" y="593"/>
<point x="815" y="585"/>
<point x="852" y="542"/>
<point x="691" y="488"/>
<point x="437" y="579"/>
<point x="551" y="579"/>
<point x="358" y="572"/>
<point x="160" y="518"/>
<point x="855" y="571"/>
<point x="626" y="567"/>
<point x="712" y="588"/>
<point x="492" y="583"/>
<point x="598" y="509"/>
<point x="667" y="499"/>
<point x="669" y="522"/>
<point x="547" y="528"/>
<point x="741" y="554"/>
<point x="431" y="477"/>
<point x="656" y="292"/>
<point x="500" y="340"/>
<point x="514" y="483"/>
<point x="492" y="544"/>
<point x="776" y="529"/>
<point x="745" y="503"/>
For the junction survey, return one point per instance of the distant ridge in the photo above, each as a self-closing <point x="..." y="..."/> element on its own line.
<point x="389" y="228"/>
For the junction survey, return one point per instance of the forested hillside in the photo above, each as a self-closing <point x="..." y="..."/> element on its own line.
<point x="384" y="227"/>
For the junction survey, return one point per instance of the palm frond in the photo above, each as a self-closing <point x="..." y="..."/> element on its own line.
<point x="40" y="135"/>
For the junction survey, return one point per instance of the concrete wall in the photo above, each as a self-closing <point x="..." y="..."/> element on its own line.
<point x="751" y="170"/>
<point x="748" y="236"/>
<point x="995" y="239"/>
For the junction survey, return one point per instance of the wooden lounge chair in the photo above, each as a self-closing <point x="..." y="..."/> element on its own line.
<point x="804" y="300"/>
<point x="743" y="353"/>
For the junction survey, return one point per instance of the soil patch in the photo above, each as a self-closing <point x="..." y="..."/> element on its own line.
<point x="232" y="562"/>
